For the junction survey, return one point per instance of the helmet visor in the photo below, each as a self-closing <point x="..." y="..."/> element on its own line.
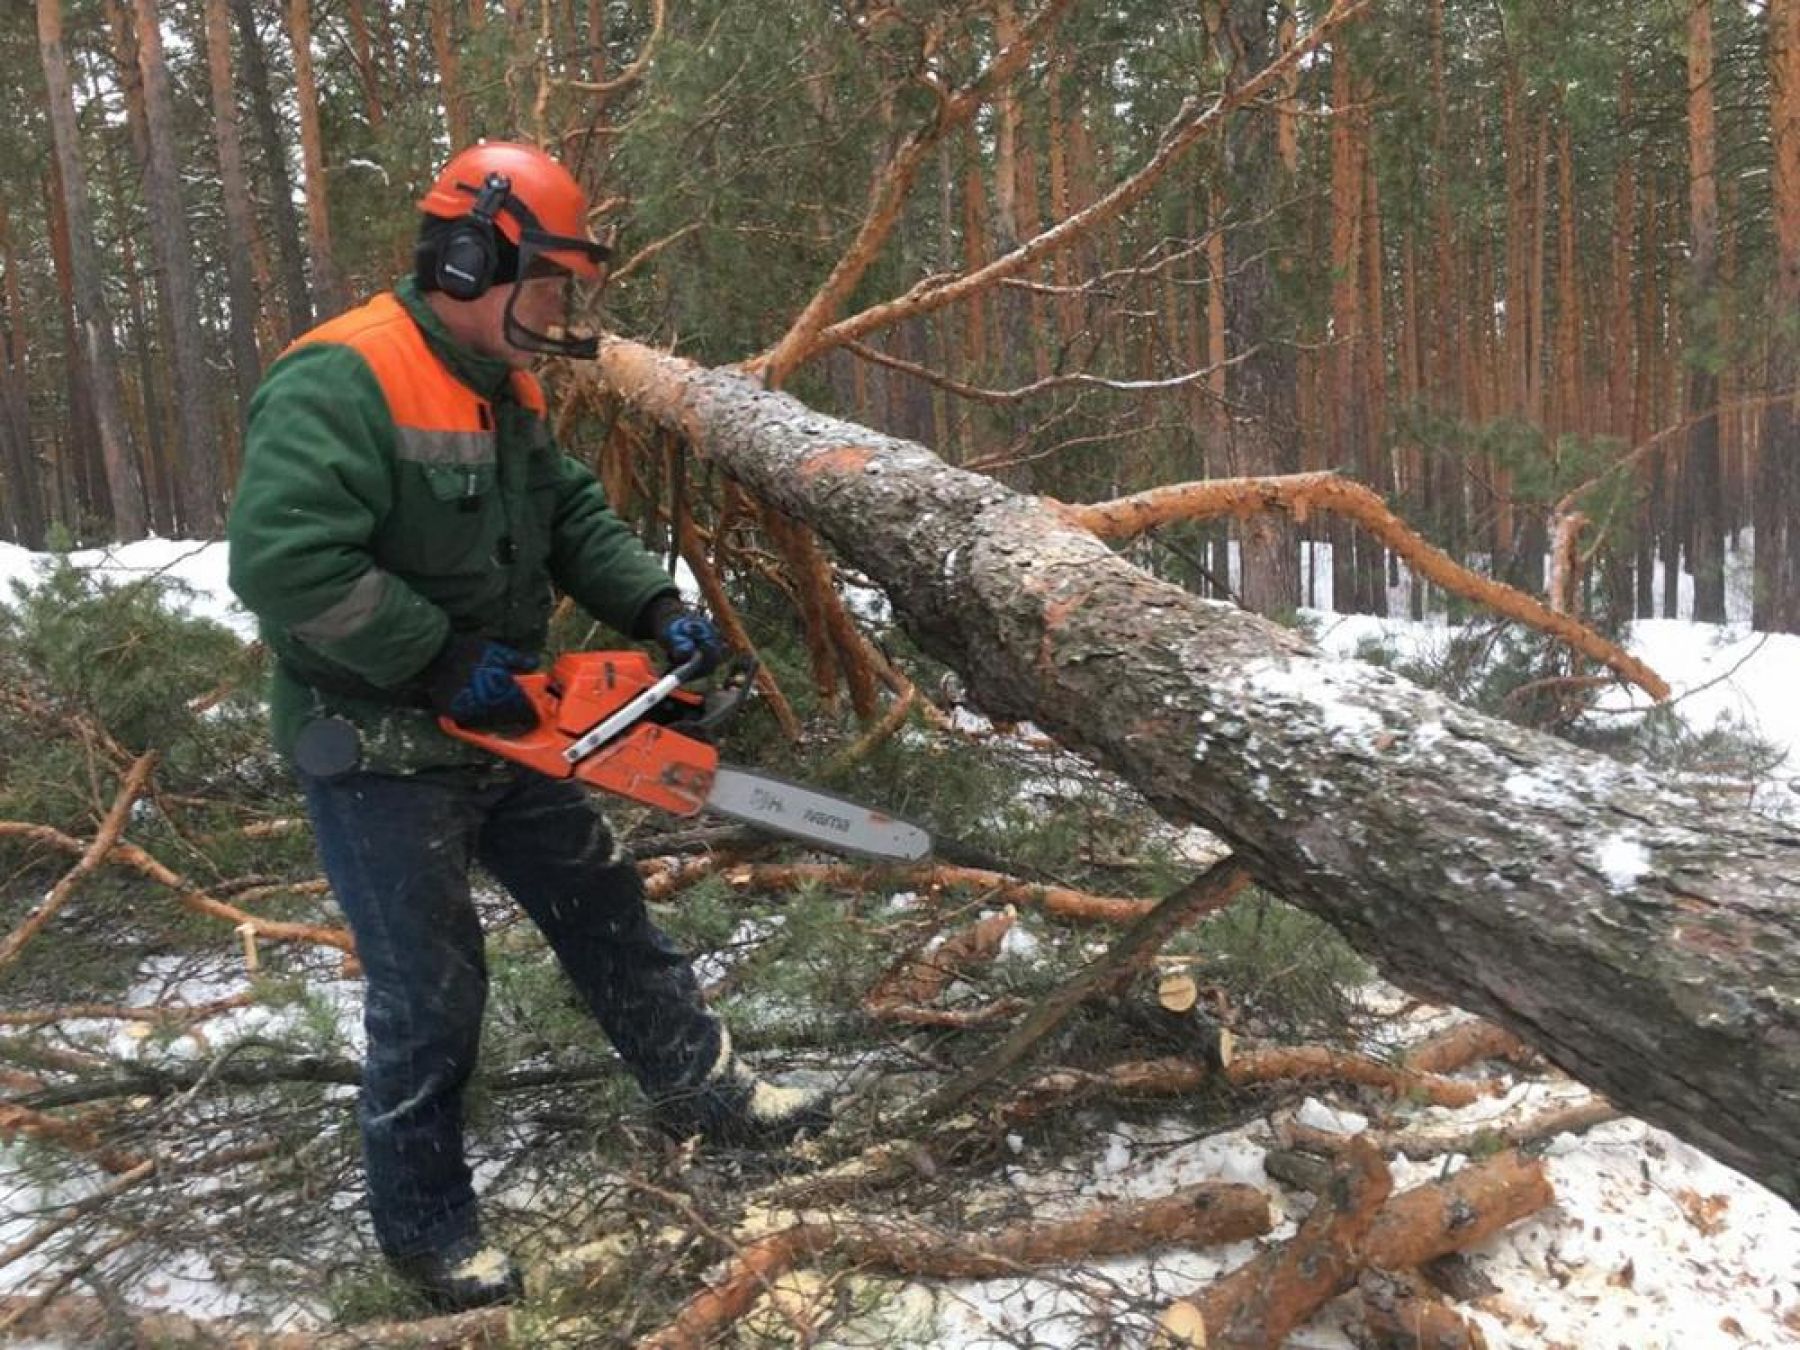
<point x="546" y="302"/>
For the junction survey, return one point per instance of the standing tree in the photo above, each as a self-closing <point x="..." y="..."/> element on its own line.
<point x="125" y="485"/>
<point x="240" y="220"/>
<point x="21" y="502"/>
<point x="1703" y="482"/>
<point x="286" y="221"/>
<point x="1261" y="423"/>
<point x="197" y="451"/>
<point x="1777" y="600"/>
<point x="329" y="296"/>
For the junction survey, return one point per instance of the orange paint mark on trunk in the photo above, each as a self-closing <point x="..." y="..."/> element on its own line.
<point x="1056" y="614"/>
<point x="845" y="459"/>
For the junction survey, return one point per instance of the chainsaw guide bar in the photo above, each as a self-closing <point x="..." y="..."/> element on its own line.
<point x="608" y="720"/>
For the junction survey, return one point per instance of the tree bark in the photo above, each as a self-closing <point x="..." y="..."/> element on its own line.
<point x="197" y="449"/>
<point x="125" y="486"/>
<point x="1644" y="939"/>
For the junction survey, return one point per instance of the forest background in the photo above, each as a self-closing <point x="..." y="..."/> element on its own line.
<point x="1502" y="262"/>
<point x="1529" y="273"/>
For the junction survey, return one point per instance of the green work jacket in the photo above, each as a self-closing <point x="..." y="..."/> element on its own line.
<point x="398" y="488"/>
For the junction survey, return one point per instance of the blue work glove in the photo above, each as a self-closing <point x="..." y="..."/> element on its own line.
<point x="683" y="635"/>
<point x="471" y="682"/>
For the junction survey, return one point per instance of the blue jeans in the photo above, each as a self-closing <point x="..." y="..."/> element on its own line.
<point x="397" y="851"/>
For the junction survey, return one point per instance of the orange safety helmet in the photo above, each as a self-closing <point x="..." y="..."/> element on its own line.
<point x="525" y="197"/>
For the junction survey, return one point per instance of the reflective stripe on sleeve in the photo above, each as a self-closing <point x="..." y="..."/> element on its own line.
<point x="349" y="615"/>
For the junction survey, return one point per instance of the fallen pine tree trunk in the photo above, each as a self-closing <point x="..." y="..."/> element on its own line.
<point x="1645" y="940"/>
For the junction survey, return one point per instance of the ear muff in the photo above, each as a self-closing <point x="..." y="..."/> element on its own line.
<point x="468" y="254"/>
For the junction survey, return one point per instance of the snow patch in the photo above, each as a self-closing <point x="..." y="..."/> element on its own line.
<point x="1536" y="789"/>
<point x="1623" y="861"/>
<point x="1316" y="1115"/>
<point x="1320" y="686"/>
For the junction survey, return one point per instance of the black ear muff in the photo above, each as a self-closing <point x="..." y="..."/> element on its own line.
<point x="468" y="253"/>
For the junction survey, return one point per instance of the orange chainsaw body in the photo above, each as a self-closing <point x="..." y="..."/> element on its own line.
<point x="647" y="762"/>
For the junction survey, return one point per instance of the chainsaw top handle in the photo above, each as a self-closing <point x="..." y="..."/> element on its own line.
<point x="735" y="681"/>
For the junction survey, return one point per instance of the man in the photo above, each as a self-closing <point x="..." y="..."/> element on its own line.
<point x="399" y="524"/>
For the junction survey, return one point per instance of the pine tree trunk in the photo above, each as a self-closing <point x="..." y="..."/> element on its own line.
<point x="1261" y="387"/>
<point x="77" y="476"/>
<point x="153" y="431"/>
<point x="1570" y="412"/>
<point x="1372" y="561"/>
<point x="1348" y="417"/>
<point x="1535" y="290"/>
<point x="449" y="68"/>
<point x="1624" y="283"/>
<point x="152" y="340"/>
<point x="1704" y="496"/>
<point x="18" y="473"/>
<point x="1643" y="409"/>
<point x="1019" y="353"/>
<point x="368" y="70"/>
<point x="328" y="290"/>
<point x="976" y="350"/>
<point x="234" y="186"/>
<point x="275" y="164"/>
<point x="197" y="450"/>
<point x="125" y="487"/>
<point x="1777" y="598"/>
<point x="1645" y="939"/>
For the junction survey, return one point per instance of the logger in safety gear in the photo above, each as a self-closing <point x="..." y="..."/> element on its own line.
<point x="505" y="232"/>
<point x="402" y="521"/>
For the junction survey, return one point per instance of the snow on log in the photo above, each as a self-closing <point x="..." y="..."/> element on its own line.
<point x="1643" y="939"/>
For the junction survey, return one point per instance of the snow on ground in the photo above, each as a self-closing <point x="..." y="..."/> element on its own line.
<point x="199" y="568"/>
<point x="1649" y="1244"/>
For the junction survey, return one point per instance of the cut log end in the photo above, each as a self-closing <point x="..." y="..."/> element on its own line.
<point x="1181" y="1324"/>
<point x="1178" y="993"/>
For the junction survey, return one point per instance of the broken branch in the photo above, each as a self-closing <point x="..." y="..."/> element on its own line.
<point x="1300" y="494"/>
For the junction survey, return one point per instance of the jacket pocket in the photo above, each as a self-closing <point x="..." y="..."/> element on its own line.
<point x="459" y="482"/>
<point x="446" y="521"/>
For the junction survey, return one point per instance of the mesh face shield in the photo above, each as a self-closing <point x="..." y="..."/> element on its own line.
<point x="549" y="260"/>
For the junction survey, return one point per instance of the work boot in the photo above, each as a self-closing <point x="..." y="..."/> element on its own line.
<point x="732" y="1106"/>
<point x="466" y="1274"/>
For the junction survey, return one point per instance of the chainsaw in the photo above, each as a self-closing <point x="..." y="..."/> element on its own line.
<point x="608" y="720"/>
